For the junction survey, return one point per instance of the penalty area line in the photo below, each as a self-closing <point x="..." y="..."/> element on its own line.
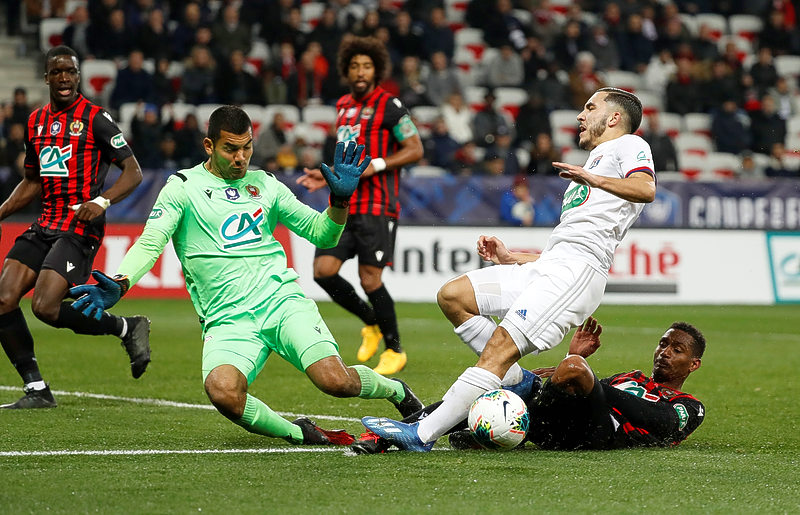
<point x="175" y="404"/>
<point x="145" y="452"/>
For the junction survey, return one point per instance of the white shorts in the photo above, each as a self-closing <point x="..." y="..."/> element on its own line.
<point x="539" y="302"/>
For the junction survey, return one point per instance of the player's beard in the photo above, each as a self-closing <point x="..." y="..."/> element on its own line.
<point x="593" y="133"/>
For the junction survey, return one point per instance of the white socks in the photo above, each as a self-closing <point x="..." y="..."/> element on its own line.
<point x="470" y="385"/>
<point x="475" y="332"/>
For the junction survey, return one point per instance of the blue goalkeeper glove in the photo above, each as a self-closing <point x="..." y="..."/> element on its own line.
<point x="93" y="299"/>
<point x="343" y="179"/>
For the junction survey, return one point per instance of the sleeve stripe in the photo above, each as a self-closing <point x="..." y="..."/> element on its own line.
<point x="645" y="169"/>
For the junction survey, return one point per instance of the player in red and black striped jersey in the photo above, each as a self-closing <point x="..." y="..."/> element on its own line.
<point x="576" y="410"/>
<point x="372" y="117"/>
<point x="70" y="143"/>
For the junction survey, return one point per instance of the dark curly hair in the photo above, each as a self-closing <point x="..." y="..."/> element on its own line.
<point x="369" y="46"/>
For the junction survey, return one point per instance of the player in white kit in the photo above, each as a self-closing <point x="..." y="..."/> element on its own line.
<point x="541" y="297"/>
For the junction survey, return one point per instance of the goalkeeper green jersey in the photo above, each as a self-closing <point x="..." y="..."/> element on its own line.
<point x="222" y="231"/>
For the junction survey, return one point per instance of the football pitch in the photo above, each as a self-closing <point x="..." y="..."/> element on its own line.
<point x="153" y="445"/>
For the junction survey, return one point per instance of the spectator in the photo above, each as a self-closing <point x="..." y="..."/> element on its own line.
<point x="766" y="126"/>
<point x="672" y="36"/>
<point x="437" y="36"/>
<point x="133" y="84"/>
<point x="776" y="35"/>
<point x="412" y="82"/>
<point x="442" y="80"/>
<point x="77" y="33"/>
<point x="554" y="92"/>
<point x="502" y="27"/>
<point x="533" y="119"/>
<point x="603" y="48"/>
<point x="458" y="118"/>
<point x="347" y="13"/>
<point x="182" y="38"/>
<point x="197" y="86"/>
<point x="750" y="169"/>
<point x="534" y="59"/>
<point x="20" y="108"/>
<point x="274" y="87"/>
<point x="721" y="86"/>
<point x="729" y="128"/>
<point x="327" y="34"/>
<point x="492" y="165"/>
<point x="367" y="26"/>
<point x="146" y="133"/>
<point x="440" y="147"/>
<point x="272" y="15"/>
<point x="704" y="46"/>
<point x="305" y="85"/>
<point x="168" y="153"/>
<point x="543" y="154"/>
<point x="189" y="142"/>
<point x="502" y="147"/>
<point x="386" y="14"/>
<point x="683" y="90"/>
<point x="466" y="159"/>
<point x="505" y="69"/>
<point x="271" y="140"/>
<point x="230" y="33"/>
<point x="13" y="152"/>
<point x="293" y="32"/>
<point x="164" y="92"/>
<point x="153" y="36"/>
<point x="516" y="205"/>
<point x="763" y="71"/>
<point x="583" y="80"/>
<point x="568" y="44"/>
<point x="235" y="84"/>
<point x="783" y="98"/>
<point x="664" y="155"/>
<point x="111" y="40"/>
<point x="487" y="122"/>
<point x="778" y="167"/>
<point x="659" y="71"/>
<point x="406" y="38"/>
<point x="635" y="48"/>
<point x="136" y="13"/>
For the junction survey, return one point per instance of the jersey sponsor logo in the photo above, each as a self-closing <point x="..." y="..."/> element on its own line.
<point x="253" y="191"/>
<point x="76" y="128"/>
<point x="241" y="229"/>
<point x="53" y="161"/>
<point x="641" y="156"/>
<point x="522" y="313"/>
<point x="634" y="388"/>
<point x="683" y="415"/>
<point x="232" y="193"/>
<point x="348" y="132"/>
<point x="575" y="196"/>
<point x="405" y="128"/>
<point x="595" y="162"/>
<point x="55" y="128"/>
<point x="118" y="141"/>
<point x="156" y="213"/>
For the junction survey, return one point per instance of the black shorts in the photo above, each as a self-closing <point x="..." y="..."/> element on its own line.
<point x="68" y="254"/>
<point x="370" y="237"/>
<point x="562" y="421"/>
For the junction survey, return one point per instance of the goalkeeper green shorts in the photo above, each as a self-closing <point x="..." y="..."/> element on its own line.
<point x="290" y="326"/>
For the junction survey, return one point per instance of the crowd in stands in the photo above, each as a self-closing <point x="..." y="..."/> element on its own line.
<point x="493" y="85"/>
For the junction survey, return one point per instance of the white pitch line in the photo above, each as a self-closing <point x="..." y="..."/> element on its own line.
<point x="142" y="452"/>
<point x="174" y="404"/>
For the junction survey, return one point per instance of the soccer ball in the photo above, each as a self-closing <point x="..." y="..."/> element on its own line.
<point x="498" y="420"/>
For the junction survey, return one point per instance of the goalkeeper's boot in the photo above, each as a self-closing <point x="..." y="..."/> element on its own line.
<point x="370" y="443"/>
<point x="528" y="387"/>
<point x="370" y="338"/>
<point x="391" y="362"/>
<point x="137" y="344"/>
<point x="33" y="399"/>
<point x="463" y="440"/>
<point x="410" y="403"/>
<point x="315" y="435"/>
<point x="403" y="435"/>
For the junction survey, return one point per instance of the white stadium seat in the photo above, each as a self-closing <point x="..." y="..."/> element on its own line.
<point x="98" y="77"/>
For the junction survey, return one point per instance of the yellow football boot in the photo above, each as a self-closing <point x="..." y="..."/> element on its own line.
<point x="370" y="338"/>
<point x="391" y="362"/>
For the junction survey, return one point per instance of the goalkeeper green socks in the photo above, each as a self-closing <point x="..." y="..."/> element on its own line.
<point x="375" y="386"/>
<point x="258" y="418"/>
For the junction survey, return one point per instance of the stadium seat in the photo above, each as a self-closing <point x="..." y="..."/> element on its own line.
<point x="290" y="112"/>
<point x="523" y="158"/>
<point x="256" y="113"/>
<point x="465" y="60"/>
<point x="723" y="165"/>
<point x="745" y="26"/>
<point x="258" y="55"/>
<point x="203" y="112"/>
<point x="474" y="97"/>
<point x="127" y="111"/>
<point x="564" y="125"/>
<point x="694" y="167"/>
<point x="311" y="12"/>
<point x="510" y="100"/>
<point x="716" y="22"/>
<point x="97" y="79"/>
<point x="744" y="47"/>
<point x="629" y="81"/>
<point x="690" y="23"/>
<point x="426" y="171"/>
<point x="178" y="112"/>
<point x="693" y="143"/>
<point x="650" y="102"/>
<point x="311" y="134"/>
<point x="698" y="122"/>
<point x="471" y="39"/>
<point x="50" y="31"/>
<point x="793" y="125"/>
<point x="792" y="160"/>
<point x="455" y="11"/>
<point x="424" y="116"/>
<point x="788" y="65"/>
<point x="322" y="116"/>
<point x="671" y="123"/>
<point x="793" y="142"/>
<point x="670" y="176"/>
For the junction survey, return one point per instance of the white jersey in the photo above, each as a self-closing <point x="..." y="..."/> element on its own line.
<point x="593" y="221"/>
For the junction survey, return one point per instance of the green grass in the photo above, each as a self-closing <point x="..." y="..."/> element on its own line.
<point x="743" y="459"/>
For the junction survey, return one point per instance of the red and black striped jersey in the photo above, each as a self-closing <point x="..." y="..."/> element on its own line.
<point x="649" y="413"/>
<point x="379" y="122"/>
<point x="72" y="149"/>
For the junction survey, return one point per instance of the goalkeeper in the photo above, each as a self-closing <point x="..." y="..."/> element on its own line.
<point x="221" y="218"/>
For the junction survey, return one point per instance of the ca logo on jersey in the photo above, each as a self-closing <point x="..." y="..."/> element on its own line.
<point x="241" y="229"/>
<point x="53" y="161"/>
<point x="348" y="132"/>
<point x="575" y="196"/>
